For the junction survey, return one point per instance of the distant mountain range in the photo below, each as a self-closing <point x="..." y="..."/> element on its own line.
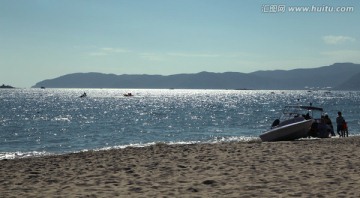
<point x="339" y="76"/>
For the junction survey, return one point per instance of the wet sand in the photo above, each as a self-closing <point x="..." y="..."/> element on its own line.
<point x="306" y="168"/>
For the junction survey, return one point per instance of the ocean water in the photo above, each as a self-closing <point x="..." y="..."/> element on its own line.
<point x="36" y="122"/>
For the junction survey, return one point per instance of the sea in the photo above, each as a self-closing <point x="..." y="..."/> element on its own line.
<point x="39" y="122"/>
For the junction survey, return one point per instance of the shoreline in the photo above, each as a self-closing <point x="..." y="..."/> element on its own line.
<point x="34" y="154"/>
<point x="312" y="167"/>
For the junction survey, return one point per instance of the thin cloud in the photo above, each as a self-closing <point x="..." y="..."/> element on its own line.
<point x="152" y="56"/>
<point x="105" y="51"/>
<point x="342" y="55"/>
<point x="115" y="50"/>
<point x="333" y="40"/>
<point x="159" y="56"/>
<point x="98" y="54"/>
<point x="166" y="56"/>
<point x="193" y="55"/>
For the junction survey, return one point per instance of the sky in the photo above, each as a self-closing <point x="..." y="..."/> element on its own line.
<point x="45" y="39"/>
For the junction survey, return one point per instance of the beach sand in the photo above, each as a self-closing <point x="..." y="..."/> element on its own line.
<point x="305" y="168"/>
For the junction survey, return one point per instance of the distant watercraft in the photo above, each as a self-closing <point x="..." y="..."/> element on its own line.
<point x="83" y="95"/>
<point x="128" y="94"/>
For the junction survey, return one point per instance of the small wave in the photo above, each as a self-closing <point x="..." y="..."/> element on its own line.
<point x="62" y="118"/>
<point x="18" y="154"/>
<point x="215" y="140"/>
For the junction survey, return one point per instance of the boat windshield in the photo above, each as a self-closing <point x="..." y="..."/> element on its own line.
<point x="304" y="111"/>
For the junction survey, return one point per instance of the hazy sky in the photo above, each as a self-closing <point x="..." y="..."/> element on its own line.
<point x="43" y="39"/>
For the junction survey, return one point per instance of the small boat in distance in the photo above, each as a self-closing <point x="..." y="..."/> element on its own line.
<point x="297" y="122"/>
<point x="83" y="95"/>
<point x="128" y="94"/>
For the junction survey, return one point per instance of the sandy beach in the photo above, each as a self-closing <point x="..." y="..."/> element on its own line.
<point x="305" y="168"/>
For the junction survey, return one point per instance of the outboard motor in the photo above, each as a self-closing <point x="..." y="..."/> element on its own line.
<point x="275" y="123"/>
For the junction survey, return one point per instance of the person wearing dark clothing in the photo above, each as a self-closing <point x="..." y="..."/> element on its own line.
<point x="329" y="123"/>
<point x="340" y="124"/>
<point x="307" y="116"/>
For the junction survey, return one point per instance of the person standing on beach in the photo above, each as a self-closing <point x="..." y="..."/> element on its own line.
<point x="340" y="123"/>
<point x="329" y="123"/>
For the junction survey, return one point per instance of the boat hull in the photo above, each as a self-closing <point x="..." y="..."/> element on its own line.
<point x="288" y="132"/>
